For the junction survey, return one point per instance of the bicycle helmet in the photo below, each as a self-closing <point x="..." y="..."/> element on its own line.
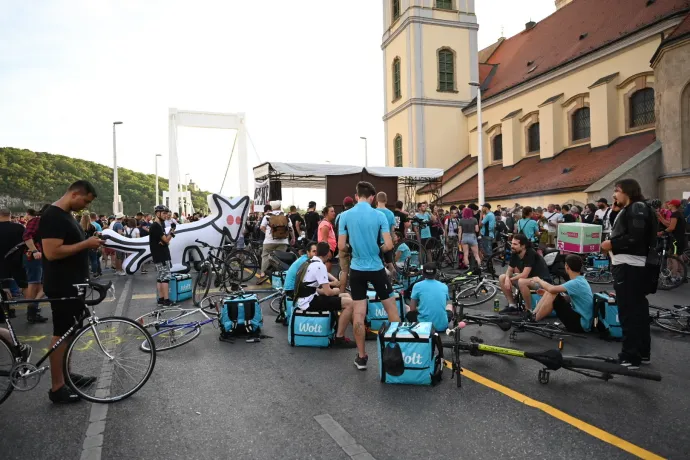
<point x="161" y="208"/>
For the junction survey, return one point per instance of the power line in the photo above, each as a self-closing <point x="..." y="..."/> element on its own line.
<point x="252" y="142"/>
<point x="232" y="152"/>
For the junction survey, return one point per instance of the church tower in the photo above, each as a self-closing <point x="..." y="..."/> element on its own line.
<point x="429" y="58"/>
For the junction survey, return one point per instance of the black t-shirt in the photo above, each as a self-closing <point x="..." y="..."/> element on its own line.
<point x="59" y="275"/>
<point x="160" y="252"/>
<point x="143" y="227"/>
<point x="311" y="219"/>
<point x="569" y="218"/>
<point x="400" y="220"/>
<point x="533" y="260"/>
<point x="294" y="218"/>
<point x="10" y="235"/>
<point x="679" y="231"/>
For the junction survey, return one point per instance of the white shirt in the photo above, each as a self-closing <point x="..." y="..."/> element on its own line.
<point x="132" y="233"/>
<point x="552" y="219"/>
<point x="269" y="233"/>
<point x="317" y="275"/>
<point x="606" y="226"/>
<point x="627" y="259"/>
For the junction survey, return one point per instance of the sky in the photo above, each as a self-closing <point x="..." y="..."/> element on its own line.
<point x="310" y="80"/>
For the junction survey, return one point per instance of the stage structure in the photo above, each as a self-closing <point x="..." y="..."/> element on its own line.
<point x="236" y="121"/>
<point x="339" y="181"/>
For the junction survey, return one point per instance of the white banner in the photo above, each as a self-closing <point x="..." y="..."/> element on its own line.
<point x="260" y="195"/>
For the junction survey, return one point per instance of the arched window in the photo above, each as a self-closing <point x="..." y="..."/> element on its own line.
<point x="444" y="4"/>
<point x="581" y="125"/>
<point x="533" y="138"/>
<point x="397" y="147"/>
<point x="642" y="108"/>
<point x="446" y="70"/>
<point x="397" y="92"/>
<point x="498" y="148"/>
<point x="396" y="9"/>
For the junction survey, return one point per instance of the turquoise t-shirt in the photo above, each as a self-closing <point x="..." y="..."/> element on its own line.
<point x="529" y="227"/>
<point x="390" y="217"/>
<point x="581" y="299"/>
<point x="426" y="231"/>
<point x="291" y="274"/>
<point x="489" y="219"/>
<point x="432" y="298"/>
<point x="363" y="224"/>
<point x="404" y="251"/>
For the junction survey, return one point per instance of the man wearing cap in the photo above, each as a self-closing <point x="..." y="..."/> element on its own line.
<point x="675" y="225"/>
<point x="487" y="231"/>
<point x="344" y="256"/>
<point x="601" y="217"/>
<point x="430" y="301"/>
<point x="117" y="226"/>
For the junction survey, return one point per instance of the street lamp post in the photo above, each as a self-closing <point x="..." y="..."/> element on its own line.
<point x="157" y="195"/>
<point x="366" y="153"/>
<point x="480" y="145"/>
<point x="116" y="191"/>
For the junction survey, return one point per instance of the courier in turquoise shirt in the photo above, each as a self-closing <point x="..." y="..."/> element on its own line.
<point x="364" y="226"/>
<point x="291" y="274"/>
<point x="432" y="297"/>
<point x="581" y="299"/>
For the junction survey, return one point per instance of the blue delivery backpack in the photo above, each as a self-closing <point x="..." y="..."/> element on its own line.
<point x="241" y="315"/>
<point x="311" y="329"/>
<point x="376" y="314"/>
<point x="410" y="353"/>
<point x="277" y="280"/>
<point x="180" y="287"/>
<point x="606" y="319"/>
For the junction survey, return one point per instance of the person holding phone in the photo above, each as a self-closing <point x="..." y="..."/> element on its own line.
<point x="159" y="243"/>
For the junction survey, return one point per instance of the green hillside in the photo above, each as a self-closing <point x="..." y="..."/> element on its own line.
<point x="43" y="178"/>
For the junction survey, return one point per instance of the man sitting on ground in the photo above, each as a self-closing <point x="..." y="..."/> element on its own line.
<point x="525" y="264"/>
<point x="315" y="293"/>
<point x="430" y="301"/>
<point x="573" y="300"/>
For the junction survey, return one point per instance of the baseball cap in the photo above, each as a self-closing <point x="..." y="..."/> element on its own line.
<point x="602" y="200"/>
<point x="429" y="270"/>
<point x="486" y="205"/>
<point x="675" y="203"/>
<point x="348" y="201"/>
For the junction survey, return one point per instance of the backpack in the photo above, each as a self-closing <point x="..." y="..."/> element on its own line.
<point x="299" y="281"/>
<point x="501" y="227"/>
<point x="129" y="234"/>
<point x="280" y="226"/>
<point x="606" y="319"/>
<point x="241" y="315"/>
<point x="410" y="354"/>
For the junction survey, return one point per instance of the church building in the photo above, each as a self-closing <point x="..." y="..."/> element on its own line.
<point x="597" y="91"/>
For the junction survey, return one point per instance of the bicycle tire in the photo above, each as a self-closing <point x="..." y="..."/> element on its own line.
<point x="417" y="259"/>
<point x="172" y="337"/>
<point x="574" y="362"/>
<point x="597" y="277"/>
<point x="667" y="323"/>
<point x="276" y="303"/>
<point x="667" y="280"/>
<point x="434" y="249"/>
<point x="462" y="295"/>
<point x="208" y="304"/>
<point x="7" y="358"/>
<point x="151" y="319"/>
<point x="202" y="284"/>
<point x="250" y="265"/>
<point x="118" y="334"/>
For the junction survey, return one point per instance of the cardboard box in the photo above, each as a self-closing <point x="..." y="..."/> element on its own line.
<point x="579" y="238"/>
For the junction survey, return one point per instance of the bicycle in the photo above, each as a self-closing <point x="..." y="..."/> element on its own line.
<point x="673" y="270"/>
<point x="676" y="319"/>
<point x="102" y="342"/>
<point x="222" y="265"/>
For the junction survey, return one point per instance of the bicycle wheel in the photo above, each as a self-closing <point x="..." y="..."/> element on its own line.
<point x="6" y="363"/>
<point x="417" y="255"/>
<point x="156" y="317"/>
<point x="109" y="350"/>
<point x="202" y="284"/>
<point x="211" y="305"/>
<point x="599" y="276"/>
<point x="172" y="337"/>
<point x="433" y="249"/>
<point x="245" y="262"/>
<point x="672" y="274"/>
<point x="672" y="319"/>
<point x="476" y="294"/>
<point x="277" y="303"/>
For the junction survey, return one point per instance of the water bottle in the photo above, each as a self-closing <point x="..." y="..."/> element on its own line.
<point x="497" y="306"/>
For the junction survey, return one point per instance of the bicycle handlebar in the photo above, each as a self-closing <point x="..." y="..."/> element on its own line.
<point x="101" y="289"/>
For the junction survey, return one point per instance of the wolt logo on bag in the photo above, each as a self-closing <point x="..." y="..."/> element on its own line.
<point x="414" y="358"/>
<point x="305" y="327"/>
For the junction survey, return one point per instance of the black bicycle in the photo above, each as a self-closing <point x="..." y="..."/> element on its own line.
<point x="104" y="348"/>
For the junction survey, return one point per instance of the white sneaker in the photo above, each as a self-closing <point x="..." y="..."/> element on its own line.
<point x="121" y="273"/>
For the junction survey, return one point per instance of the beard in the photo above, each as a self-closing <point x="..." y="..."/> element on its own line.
<point x="602" y="206"/>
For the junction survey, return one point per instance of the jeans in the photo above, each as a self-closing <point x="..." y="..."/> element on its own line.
<point x="631" y="285"/>
<point x="95" y="261"/>
<point x="487" y="246"/>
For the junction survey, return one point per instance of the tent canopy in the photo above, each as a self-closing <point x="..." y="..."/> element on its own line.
<point x="309" y="175"/>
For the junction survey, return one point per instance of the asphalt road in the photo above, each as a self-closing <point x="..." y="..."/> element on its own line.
<point x="212" y="399"/>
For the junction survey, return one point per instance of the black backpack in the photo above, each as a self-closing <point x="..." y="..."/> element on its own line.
<point x="300" y="289"/>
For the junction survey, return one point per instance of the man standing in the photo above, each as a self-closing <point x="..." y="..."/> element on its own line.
<point x="487" y="229"/>
<point x="279" y="233"/>
<point x="159" y="243"/>
<point x="601" y="217"/>
<point x="11" y="266"/>
<point x="363" y="225"/>
<point x="118" y="227"/>
<point x="402" y="222"/>
<point x="424" y="233"/>
<point x="296" y="221"/>
<point x="632" y="236"/>
<point x="65" y="263"/>
<point x="33" y="267"/>
<point x="382" y="200"/>
<point x="311" y="220"/>
<point x="552" y="217"/>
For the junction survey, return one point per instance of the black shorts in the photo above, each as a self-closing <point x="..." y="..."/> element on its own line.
<point x="360" y="280"/>
<point x="325" y="303"/>
<point x="388" y="257"/>
<point x="14" y="270"/>
<point x="65" y="312"/>
<point x="569" y="317"/>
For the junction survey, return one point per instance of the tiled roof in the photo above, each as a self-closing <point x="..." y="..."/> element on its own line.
<point x="451" y="172"/>
<point x="557" y="40"/>
<point x="680" y="31"/>
<point x="585" y="166"/>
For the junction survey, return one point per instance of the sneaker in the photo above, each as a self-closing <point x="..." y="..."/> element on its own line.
<point x="510" y="310"/>
<point x="25" y="350"/>
<point x="529" y="316"/>
<point x="370" y="335"/>
<point x="343" y="342"/>
<point x="169" y="303"/>
<point x="121" y="273"/>
<point x="627" y="363"/>
<point x="63" y="395"/>
<point x="361" y="363"/>
<point x="36" y="318"/>
<point x="81" y="381"/>
<point x="646" y="359"/>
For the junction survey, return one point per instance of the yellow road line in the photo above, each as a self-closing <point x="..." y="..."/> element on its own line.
<point x="560" y="415"/>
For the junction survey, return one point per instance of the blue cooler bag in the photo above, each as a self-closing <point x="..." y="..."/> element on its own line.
<point x="605" y="316"/>
<point x="277" y="280"/>
<point x="180" y="288"/>
<point x="410" y="353"/>
<point x="241" y="315"/>
<point x="310" y="329"/>
<point x="376" y="314"/>
<point x="535" y="300"/>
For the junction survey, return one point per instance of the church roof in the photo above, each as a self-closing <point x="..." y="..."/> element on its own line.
<point x="573" y="169"/>
<point x="573" y="31"/>
<point x="451" y="172"/>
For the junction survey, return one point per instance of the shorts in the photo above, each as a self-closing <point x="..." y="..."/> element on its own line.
<point x="487" y="246"/>
<point x="14" y="270"/>
<point x="344" y="259"/>
<point x="65" y="312"/>
<point x="163" y="269"/>
<point x="569" y="317"/>
<point x="388" y="257"/>
<point x="120" y="255"/>
<point x="359" y="281"/>
<point x="325" y="303"/>
<point x="34" y="270"/>
<point x="469" y="239"/>
<point x="108" y="252"/>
